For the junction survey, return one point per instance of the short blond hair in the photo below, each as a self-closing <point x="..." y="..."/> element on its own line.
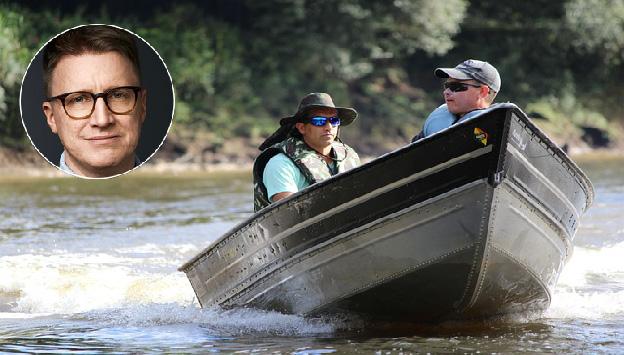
<point x="490" y="96"/>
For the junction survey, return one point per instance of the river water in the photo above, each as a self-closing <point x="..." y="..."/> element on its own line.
<point x="91" y="267"/>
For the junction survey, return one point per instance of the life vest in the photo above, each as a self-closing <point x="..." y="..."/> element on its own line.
<point x="310" y="163"/>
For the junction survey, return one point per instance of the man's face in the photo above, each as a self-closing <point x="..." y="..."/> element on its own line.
<point x="102" y="144"/>
<point x="319" y="138"/>
<point x="461" y="102"/>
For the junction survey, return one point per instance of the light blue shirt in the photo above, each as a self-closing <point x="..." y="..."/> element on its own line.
<point x="441" y="118"/>
<point x="282" y="175"/>
<point x="63" y="166"/>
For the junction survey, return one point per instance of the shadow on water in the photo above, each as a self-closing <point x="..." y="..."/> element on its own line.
<point x="475" y="328"/>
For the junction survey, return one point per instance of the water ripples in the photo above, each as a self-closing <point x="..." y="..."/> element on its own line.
<point x="92" y="267"/>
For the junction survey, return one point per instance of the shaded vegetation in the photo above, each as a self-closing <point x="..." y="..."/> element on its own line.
<point x="239" y="65"/>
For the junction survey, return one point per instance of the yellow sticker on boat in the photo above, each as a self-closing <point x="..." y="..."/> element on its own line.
<point x="480" y="135"/>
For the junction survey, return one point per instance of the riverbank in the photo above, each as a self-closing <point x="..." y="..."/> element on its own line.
<point x="28" y="162"/>
<point x="36" y="166"/>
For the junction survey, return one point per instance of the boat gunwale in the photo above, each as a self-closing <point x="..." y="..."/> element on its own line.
<point x="574" y="170"/>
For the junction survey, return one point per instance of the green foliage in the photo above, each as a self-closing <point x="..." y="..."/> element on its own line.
<point x="236" y="75"/>
<point x="597" y="27"/>
<point x="526" y="41"/>
<point x="13" y="59"/>
<point x="353" y="49"/>
<point x="22" y="33"/>
<point x="205" y="57"/>
<point x="565" y="114"/>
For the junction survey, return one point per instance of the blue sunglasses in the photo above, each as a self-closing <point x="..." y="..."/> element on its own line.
<point x="321" y="121"/>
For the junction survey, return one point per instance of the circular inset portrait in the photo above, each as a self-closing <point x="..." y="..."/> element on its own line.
<point x="97" y="101"/>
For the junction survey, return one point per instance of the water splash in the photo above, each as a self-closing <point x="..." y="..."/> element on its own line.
<point x="219" y="321"/>
<point x="73" y="283"/>
<point x="591" y="285"/>
<point x="115" y="291"/>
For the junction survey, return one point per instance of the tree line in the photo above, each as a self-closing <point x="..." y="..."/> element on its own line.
<point x="240" y="65"/>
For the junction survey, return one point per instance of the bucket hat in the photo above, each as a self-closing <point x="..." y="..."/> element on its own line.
<point x="309" y="102"/>
<point x="320" y="100"/>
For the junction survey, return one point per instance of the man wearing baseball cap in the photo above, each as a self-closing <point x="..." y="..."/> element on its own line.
<point x="304" y="150"/>
<point x="469" y="88"/>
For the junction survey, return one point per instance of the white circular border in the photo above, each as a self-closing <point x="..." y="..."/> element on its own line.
<point x="172" y="109"/>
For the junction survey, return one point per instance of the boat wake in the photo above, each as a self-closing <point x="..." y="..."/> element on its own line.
<point x="74" y="283"/>
<point x="217" y="320"/>
<point x="591" y="285"/>
<point x="101" y="289"/>
<point x="106" y="290"/>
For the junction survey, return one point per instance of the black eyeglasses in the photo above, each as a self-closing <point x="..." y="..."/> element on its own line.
<point x="456" y="86"/>
<point x="320" y="121"/>
<point x="80" y="104"/>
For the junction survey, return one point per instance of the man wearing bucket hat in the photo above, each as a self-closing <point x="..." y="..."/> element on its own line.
<point x="304" y="150"/>
<point x="469" y="88"/>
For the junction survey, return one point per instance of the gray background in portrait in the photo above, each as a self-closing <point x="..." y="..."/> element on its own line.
<point x="154" y="77"/>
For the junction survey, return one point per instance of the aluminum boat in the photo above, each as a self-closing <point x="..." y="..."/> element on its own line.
<point x="475" y="221"/>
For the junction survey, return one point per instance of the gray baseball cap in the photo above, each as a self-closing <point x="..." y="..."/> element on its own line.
<point x="480" y="71"/>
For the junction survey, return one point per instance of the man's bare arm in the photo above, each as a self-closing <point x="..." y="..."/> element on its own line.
<point x="280" y="195"/>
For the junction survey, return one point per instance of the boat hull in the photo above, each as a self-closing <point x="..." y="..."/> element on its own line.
<point x="473" y="222"/>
